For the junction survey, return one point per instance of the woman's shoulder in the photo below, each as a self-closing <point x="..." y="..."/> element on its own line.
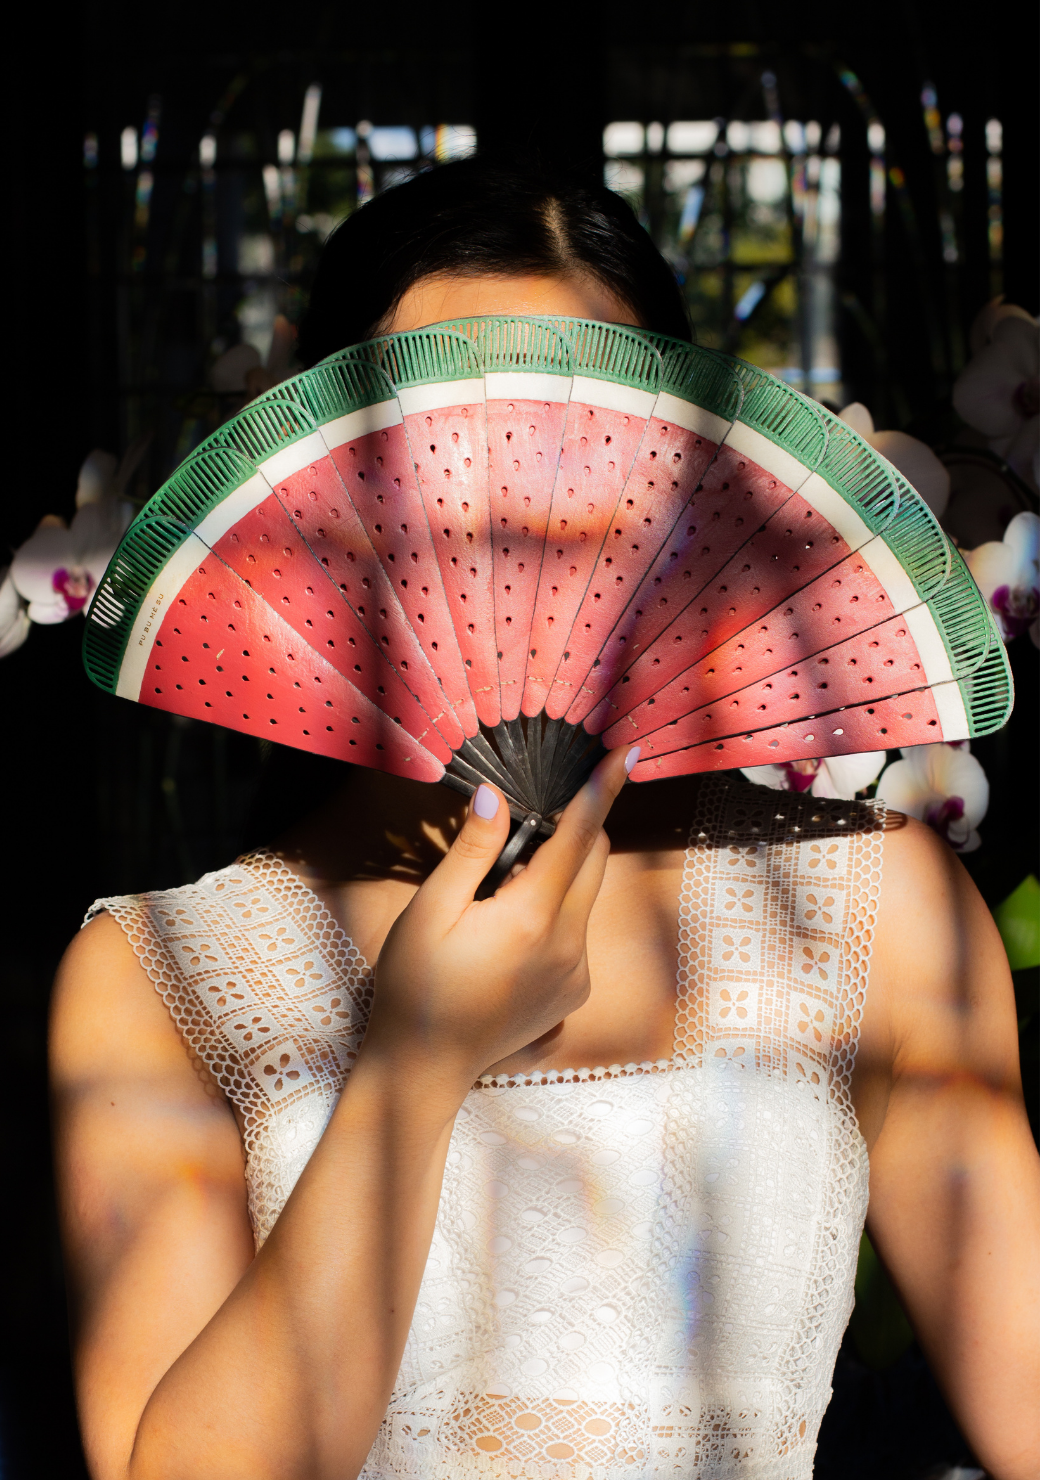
<point x="105" y="1008"/>
<point x="107" y="998"/>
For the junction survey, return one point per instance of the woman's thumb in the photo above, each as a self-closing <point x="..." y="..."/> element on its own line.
<point x="456" y="879"/>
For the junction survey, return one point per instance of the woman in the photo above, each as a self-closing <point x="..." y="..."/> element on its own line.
<point x="481" y="1257"/>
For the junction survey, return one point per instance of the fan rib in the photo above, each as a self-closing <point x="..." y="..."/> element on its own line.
<point x="203" y="621"/>
<point x="605" y="424"/>
<point x="654" y="498"/>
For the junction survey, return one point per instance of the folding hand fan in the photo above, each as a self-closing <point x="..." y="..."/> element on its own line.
<point x="468" y="552"/>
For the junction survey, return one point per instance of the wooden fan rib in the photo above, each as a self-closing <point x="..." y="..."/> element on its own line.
<point x="446" y="426"/>
<point x="475" y="771"/>
<point x="769" y="475"/>
<point x="794" y="547"/>
<point x="711" y="528"/>
<point x="313" y="496"/>
<point x="375" y="468"/>
<point x="525" y="433"/>
<point x="838" y="522"/>
<point x="672" y="458"/>
<point x="221" y="654"/>
<point x="266" y="550"/>
<point x="512" y="748"/>
<point x="605" y="424"/>
<point x="279" y="432"/>
<point x="884" y="660"/>
<point x="918" y="717"/>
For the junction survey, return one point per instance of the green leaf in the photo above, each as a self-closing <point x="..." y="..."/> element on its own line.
<point x="1018" y="920"/>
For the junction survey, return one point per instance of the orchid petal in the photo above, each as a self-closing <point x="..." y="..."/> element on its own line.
<point x="842" y="776"/>
<point x="96" y="531"/>
<point x="985" y="390"/>
<point x="928" y="776"/>
<point x="1022" y="538"/>
<point x="227" y="375"/>
<point x="991" y="565"/>
<point x="918" y="465"/>
<point x="49" y="613"/>
<point x="95" y="477"/>
<point x="858" y="418"/>
<point x="900" y="788"/>
<point x="1007" y="572"/>
<point x="14" y="619"/>
<point x="771" y="776"/>
<point x="987" y="319"/>
<point x="51" y="548"/>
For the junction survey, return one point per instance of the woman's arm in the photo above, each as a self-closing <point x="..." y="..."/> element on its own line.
<point x="954" y="1174"/>
<point x="195" y="1360"/>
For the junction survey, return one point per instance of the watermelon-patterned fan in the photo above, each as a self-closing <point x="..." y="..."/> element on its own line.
<point x="480" y="551"/>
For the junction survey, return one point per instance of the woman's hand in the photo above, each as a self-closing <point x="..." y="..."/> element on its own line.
<point x="462" y="983"/>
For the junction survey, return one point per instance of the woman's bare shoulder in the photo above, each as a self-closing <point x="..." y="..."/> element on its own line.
<point x="107" y="1017"/>
<point x="940" y="966"/>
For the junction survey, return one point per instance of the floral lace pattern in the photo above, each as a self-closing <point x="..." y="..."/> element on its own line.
<point x="639" y="1269"/>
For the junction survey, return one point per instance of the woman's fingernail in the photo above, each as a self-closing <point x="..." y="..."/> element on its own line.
<point x="632" y="757"/>
<point x="485" y="802"/>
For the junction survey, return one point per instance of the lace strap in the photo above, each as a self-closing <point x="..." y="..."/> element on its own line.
<point x="776" y="923"/>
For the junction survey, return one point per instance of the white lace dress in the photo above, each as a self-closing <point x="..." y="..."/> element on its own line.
<point x="639" y="1269"/>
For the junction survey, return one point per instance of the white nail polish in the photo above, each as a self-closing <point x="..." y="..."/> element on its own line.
<point x="632" y="757"/>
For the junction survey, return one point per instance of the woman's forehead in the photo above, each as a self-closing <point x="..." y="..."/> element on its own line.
<point x="432" y="300"/>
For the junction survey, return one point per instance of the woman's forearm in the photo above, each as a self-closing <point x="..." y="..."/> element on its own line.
<point x="292" y="1375"/>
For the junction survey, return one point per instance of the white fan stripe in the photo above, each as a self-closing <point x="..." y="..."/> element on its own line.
<point x="526" y="385"/>
<point x="164" y="589"/>
<point x="930" y="647"/>
<point x="230" y="510"/>
<point x="692" y="417"/>
<point x="612" y="397"/>
<point x="417" y="398"/>
<point x="898" y="586"/>
<point x="360" y="423"/>
<point x="953" y="718"/>
<point x="836" y="510"/>
<point x="768" y="455"/>
<point x="289" y="460"/>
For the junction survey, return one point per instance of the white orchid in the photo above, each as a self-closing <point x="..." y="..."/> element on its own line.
<point x="1007" y="572"/>
<point x="54" y="574"/>
<point x="998" y="391"/>
<point x="914" y="459"/>
<point x="943" y="786"/>
<point x="14" y="619"/>
<point x="840" y="776"/>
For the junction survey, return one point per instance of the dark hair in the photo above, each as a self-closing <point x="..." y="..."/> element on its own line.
<point x="485" y="214"/>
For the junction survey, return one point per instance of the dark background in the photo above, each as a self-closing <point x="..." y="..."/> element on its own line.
<point x="102" y="797"/>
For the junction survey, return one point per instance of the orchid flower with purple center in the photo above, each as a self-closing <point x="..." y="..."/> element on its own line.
<point x="837" y="776"/>
<point x="1007" y="572"/>
<point x="942" y="785"/>
<point x="55" y="573"/>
